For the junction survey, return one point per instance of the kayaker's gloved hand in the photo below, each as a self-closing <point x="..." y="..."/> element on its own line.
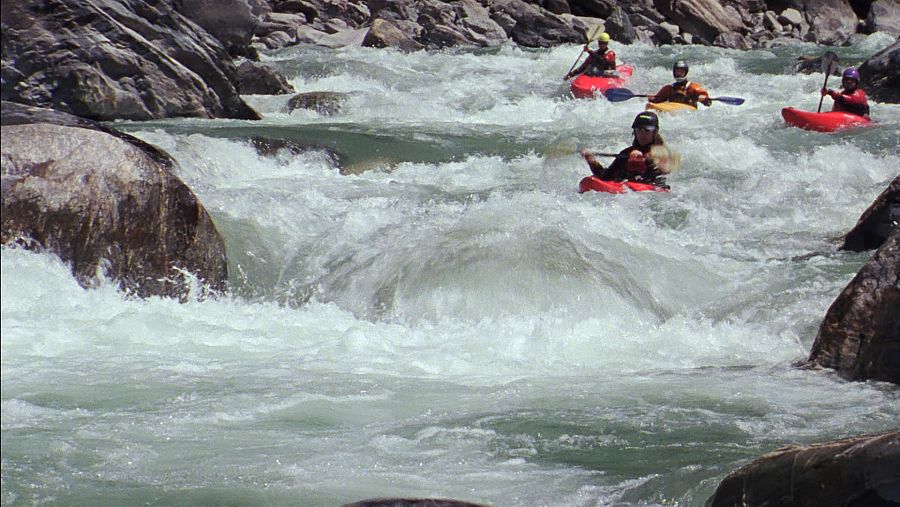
<point x="705" y="100"/>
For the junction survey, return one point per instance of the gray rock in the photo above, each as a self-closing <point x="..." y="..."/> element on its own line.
<point x="98" y="198"/>
<point x="791" y="17"/>
<point x="399" y="34"/>
<point x="116" y="59"/>
<point x="258" y="79"/>
<point x="880" y="75"/>
<point x="884" y="16"/>
<point x="534" y="26"/>
<point x="233" y="22"/>
<point x="853" y="472"/>
<point x="831" y="22"/>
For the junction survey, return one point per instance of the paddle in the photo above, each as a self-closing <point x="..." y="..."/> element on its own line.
<point x="591" y="36"/>
<point x="666" y="159"/>
<point x="621" y="94"/>
<point x="828" y="59"/>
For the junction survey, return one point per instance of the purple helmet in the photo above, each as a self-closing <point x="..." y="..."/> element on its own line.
<point x="851" y="73"/>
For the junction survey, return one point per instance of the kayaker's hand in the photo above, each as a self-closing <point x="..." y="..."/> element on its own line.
<point x="705" y="100"/>
<point x="584" y="152"/>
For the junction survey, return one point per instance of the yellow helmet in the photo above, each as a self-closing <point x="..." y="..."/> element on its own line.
<point x="603" y="37"/>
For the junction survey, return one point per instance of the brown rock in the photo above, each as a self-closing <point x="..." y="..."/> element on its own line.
<point x="877" y="222"/>
<point x="853" y="472"/>
<point x="860" y="336"/>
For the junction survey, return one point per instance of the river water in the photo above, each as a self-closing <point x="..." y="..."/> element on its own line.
<point x="447" y="316"/>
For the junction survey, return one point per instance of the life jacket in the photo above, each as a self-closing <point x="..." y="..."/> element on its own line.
<point x="602" y="63"/>
<point x="637" y="163"/>
<point x="854" y="102"/>
<point x="680" y="93"/>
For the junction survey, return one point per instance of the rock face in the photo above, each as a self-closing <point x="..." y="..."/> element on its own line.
<point x="116" y="59"/>
<point x="103" y="200"/>
<point x="854" y="472"/>
<point x="741" y="24"/>
<point x="860" y="336"/>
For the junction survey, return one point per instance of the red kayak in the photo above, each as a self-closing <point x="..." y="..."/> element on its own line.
<point x="823" y="122"/>
<point x="586" y="87"/>
<point x="615" y="187"/>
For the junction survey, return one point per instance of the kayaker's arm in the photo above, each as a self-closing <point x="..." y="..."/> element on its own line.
<point x="596" y="167"/>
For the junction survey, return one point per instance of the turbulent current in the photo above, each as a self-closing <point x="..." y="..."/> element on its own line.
<point x="439" y="313"/>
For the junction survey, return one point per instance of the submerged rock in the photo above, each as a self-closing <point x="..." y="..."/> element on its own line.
<point x="324" y="103"/>
<point x="104" y="201"/>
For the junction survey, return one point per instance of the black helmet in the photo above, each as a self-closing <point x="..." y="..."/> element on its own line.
<point x="680" y="64"/>
<point x="646" y="119"/>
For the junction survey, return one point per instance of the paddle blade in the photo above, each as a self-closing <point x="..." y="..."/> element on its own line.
<point x="666" y="159"/>
<point x="734" y="101"/>
<point x="618" y="94"/>
<point x="593" y="33"/>
<point x="828" y="60"/>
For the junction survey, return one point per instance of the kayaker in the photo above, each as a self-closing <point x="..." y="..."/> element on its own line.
<point x="601" y="62"/>
<point x="634" y="163"/>
<point x="682" y="90"/>
<point x="852" y="99"/>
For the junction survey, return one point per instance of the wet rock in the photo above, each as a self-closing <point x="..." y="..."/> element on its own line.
<point x="880" y="75"/>
<point x="288" y="148"/>
<point x="877" y="222"/>
<point x="258" y="79"/>
<point x="103" y="200"/>
<point x="860" y="335"/>
<point x="324" y="103"/>
<point x="853" y="472"/>
<point x="116" y="59"/>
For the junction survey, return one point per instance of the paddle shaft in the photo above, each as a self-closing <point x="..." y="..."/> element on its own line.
<point x="621" y="94"/>
<point x="829" y="61"/>
<point x="576" y="62"/>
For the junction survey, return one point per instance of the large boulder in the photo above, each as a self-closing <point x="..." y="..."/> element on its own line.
<point x="116" y="59"/>
<point x="707" y="19"/>
<point x="533" y="26"/>
<point x="104" y="201"/>
<point x="853" y="472"/>
<point x="877" y="222"/>
<point x="880" y="75"/>
<point x="860" y="335"/>
<point x="831" y="22"/>
<point x="884" y="16"/>
<point x="259" y="79"/>
<point x="233" y="22"/>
